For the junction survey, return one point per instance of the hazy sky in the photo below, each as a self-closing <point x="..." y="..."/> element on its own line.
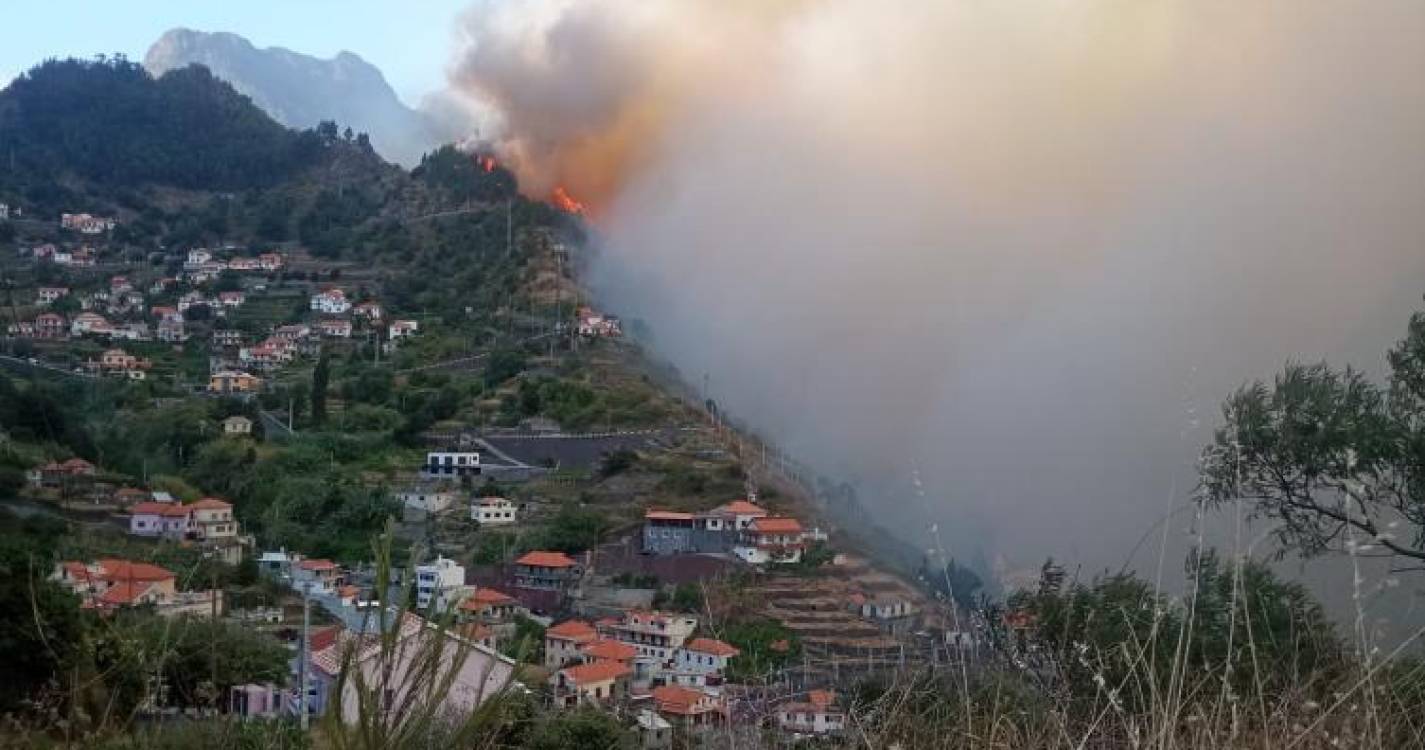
<point x="408" y="41"/>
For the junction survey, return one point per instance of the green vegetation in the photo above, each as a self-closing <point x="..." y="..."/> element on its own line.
<point x="765" y="644"/>
<point x="1336" y="461"/>
<point x="111" y="122"/>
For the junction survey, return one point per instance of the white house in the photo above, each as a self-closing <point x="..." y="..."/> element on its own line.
<point x="331" y="302"/>
<point x="50" y="294"/>
<point x="400" y="329"/>
<point x="431" y="498"/>
<point x="197" y="257"/>
<point x="468" y="673"/>
<point x="771" y="540"/>
<point x="440" y="585"/>
<point x="817" y="715"/>
<point x="451" y="464"/>
<point x="704" y="656"/>
<point x="335" y="328"/>
<point x="237" y="425"/>
<point x="169" y="520"/>
<point x="492" y="511"/>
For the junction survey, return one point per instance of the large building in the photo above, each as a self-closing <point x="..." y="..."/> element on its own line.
<point x="551" y="571"/>
<point x="718" y="530"/>
<point x="451" y="464"/>
<point x="439" y="585"/>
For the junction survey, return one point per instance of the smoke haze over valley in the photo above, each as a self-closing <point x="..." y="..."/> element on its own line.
<point x="1024" y="248"/>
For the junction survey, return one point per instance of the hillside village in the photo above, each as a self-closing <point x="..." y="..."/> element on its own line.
<point x="684" y="616"/>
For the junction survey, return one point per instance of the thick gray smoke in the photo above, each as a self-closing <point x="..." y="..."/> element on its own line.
<point x="1024" y="248"/>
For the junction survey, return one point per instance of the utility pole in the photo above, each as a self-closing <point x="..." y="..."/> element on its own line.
<point x="306" y="655"/>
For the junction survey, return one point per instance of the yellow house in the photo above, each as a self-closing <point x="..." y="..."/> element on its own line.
<point x="233" y="381"/>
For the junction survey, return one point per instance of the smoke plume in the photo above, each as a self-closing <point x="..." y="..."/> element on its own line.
<point x="1020" y="248"/>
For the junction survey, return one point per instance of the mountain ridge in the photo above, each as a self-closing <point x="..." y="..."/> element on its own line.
<point x="300" y="90"/>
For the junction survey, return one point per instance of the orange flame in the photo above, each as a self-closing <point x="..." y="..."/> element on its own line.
<point x="566" y="203"/>
<point x="486" y="162"/>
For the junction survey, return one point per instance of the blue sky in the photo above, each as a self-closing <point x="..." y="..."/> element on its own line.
<point x="409" y="41"/>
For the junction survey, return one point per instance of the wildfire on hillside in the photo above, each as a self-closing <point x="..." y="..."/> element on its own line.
<point x="565" y="202"/>
<point x="486" y="162"/>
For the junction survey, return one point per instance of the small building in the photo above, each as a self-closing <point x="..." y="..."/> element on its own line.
<point x="114" y="583"/>
<point x="172" y="330"/>
<point x="562" y="642"/>
<point x="654" y="732"/>
<point x="233" y="381"/>
<point x="817" y="715"/>
<point x="51" y="294"/>
<point x="339" y="328"/>
<point x="370" y="310"/>
<point x="701" y="657"/>
<point x="429" y="497"/>
<point x="330" y="302"/>
<point x="49" y="326"/>
<point x="226" y="337"/>
<point x="323" y="576"/>
<point x="771" y="539"/>
<point x="152" y="519"/>
<point x="553" y="571"/>
<point x="212" y="520"/>
<point x="231" y="299"/>
<point x="270" y="261"/>
<point x="491" y="605"/>
<point x="492" y="511"/>
<point x="595" y="683"/>
<point x="400" y="329"/>
<point x="686" y="706"/>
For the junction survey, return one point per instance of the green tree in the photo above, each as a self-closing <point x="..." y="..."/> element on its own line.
<point x="1334" y="459"/>
<point x="320" y="375"/>
<point x="40" y="627"/>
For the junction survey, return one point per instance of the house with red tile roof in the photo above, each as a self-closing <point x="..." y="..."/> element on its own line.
<point x="113" y="583"/>
<point x="817" y="715"/>
<point x="605" y="649"/>
<point x="168" y="520"/>
<point x="686" y="706"/>
<point x="562" y="642"/>
<point x="490" y="605"/>
<point x="771" y="539"/>
<point x="593" y="683"/>
<point x="554" y="571"/>
<point x="701" y="658"/>
<point x="667" y="532"/>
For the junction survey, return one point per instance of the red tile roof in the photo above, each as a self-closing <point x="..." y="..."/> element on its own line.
<point x="486" y="597"/>
<point x="776" y="525"/>
<point x="599" y="671"/>
<point x="742" y="508"/>
<point x="546" y="560"/>
<point x="123" y="593"/>
<point x="77" y="464"/>
<point x="127" y="570"/>
<point x="711" y="646"/>
<point x="152" y="509"/>
<point x="821" y="698"/>
<point x="679" y="700"/>
<point x="609" y="650"/>
<point x="210" y="503"/>
<point x="323" y="637"/>
<point x="667" y="515"/>
<point x="317" y="565"/>
<point x="572" y="630"/>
